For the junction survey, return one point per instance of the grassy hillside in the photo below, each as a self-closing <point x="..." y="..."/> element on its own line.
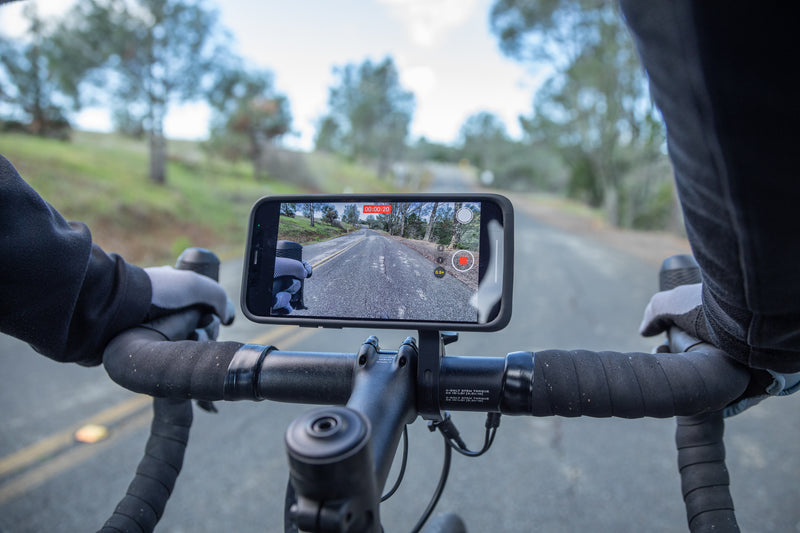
<point x="101" y="179"/>
<point x="299" y="229"/>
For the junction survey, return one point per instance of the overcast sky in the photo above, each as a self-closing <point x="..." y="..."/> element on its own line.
<point x="443" y="49"/>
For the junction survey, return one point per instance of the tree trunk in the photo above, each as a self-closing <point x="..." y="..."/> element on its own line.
<point x="429" y="228"/>
<point x="611" y="204"/>
<point x="457" y="227"/>
<point x="158" y="157"/>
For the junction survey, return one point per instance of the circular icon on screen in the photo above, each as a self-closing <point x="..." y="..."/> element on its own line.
<point x="439" y="272"/>
<point x="463" y="260"/>
<point x="440" y="259"/>
<point x="464" y="215"/>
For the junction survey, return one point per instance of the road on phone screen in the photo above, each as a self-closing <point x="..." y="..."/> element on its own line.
<point x="554" y="475"/>
<point x="368" y="274"/>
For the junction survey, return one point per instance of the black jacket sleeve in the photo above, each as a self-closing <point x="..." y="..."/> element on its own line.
<point x="58" y="291"/>
<point x="719" y="74"/>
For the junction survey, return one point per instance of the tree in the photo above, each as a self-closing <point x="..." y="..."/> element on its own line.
<point x="250" y="114"/>
<point x="26" y="81"/>
<point x="329" y="213"/>
<point x="424" y="150"/>
<point x="431" y="220"/>
<point x="308" y="211"/>
<point x="288" y="209"/>
<point x="369" y="114"/>
<point x="151" y="54"/>
<point x="328" y="136"/>
<point x="350" y="215"/>
<point x="443" y="225"/>
<point x="483" y="139"/>
<point x="595" y="108"/>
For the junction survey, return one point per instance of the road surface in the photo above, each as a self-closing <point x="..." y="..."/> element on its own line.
<point x="554" y="475"/>
<point x="367" y="274"/>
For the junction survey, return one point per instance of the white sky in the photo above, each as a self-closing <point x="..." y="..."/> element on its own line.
<point x="443" y="49"/>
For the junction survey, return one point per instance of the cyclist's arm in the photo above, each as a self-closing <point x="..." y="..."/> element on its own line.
<point x="60" y="292"/>
<point x="719" y="73"/>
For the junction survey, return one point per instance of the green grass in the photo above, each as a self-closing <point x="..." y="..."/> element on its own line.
<point x="299" y="230"/>
<point x="101" y="179"/>
<point x="336" y="175"/>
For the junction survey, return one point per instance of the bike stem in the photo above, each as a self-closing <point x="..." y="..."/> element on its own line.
<point x="340" y="457"/>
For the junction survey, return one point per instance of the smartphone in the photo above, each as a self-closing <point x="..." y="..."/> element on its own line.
<point x="421" y="261"/>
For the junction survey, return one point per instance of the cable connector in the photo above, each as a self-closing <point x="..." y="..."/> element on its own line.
<point x="493" y="420"/>
<point x="448" y="429"/>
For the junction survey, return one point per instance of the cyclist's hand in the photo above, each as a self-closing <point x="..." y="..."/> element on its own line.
<point x="681" y="307"/>
<point x="176" y="290"/>
<point x="189" y="324"/>
<point x="288" y="278"/>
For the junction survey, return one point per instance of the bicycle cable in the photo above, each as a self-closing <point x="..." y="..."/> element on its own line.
<point x="402" y="467"/>
<point x="453" y="441"/>
<point x="448" y="456"/>
<point x="453" y="437"/>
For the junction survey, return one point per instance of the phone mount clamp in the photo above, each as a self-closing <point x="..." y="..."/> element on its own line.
<point x="429" y="360"/>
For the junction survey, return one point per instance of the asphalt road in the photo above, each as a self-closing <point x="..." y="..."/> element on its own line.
<point x="370" y="275"/>
<point x="549" y="475"/>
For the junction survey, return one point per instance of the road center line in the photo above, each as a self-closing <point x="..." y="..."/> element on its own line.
<point x="59" y="451"/>
<point x="336" y="254"/>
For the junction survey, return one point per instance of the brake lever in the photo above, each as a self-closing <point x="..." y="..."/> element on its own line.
<point x="207" y="406"/>
<point x="206" y="263"/>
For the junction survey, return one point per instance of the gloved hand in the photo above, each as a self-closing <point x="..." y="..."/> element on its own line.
<point x="288" y="277"/>
<point x="682" y="307"/>
<point x="186" y="305"/>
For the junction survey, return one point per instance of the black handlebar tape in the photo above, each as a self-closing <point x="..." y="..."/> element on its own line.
<point x="147" y="495"/>
<point x="142" y="360"/>
<point x="634" y="385"/>
<point x="677" y="270"/>
<point x="705" y="482"/>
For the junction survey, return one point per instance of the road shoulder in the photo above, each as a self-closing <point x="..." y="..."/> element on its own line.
<point x="649" y="246"/>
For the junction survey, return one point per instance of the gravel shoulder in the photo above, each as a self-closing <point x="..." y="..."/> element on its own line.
<point x="650" y="246"/>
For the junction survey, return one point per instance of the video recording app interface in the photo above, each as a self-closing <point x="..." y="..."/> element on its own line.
<point x="413" y="261"/>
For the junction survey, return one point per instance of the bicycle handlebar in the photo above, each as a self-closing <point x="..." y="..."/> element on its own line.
<point x="391" y="388"/>
<point x="546" y="383"/>
<point x="383" y="384"/>
<point x="144" y="502"/>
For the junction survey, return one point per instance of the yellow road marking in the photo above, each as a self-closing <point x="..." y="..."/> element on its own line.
<point x="56" y="444"/>
<point x="49" y="445"/>
<point x="336" y="254"/>
<point x="297" y="337"/>
<point x="69" y="459"/>
<point x="271" y="335"/>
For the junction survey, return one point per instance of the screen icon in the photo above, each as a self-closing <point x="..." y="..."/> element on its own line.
<point x="464" y="215"/>
<point x="463" y="260"/>
<point x="439" y="272"/>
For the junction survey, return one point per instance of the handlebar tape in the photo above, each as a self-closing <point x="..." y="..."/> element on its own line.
<point x="142" y="360"/>
<point x="147" y="495"/>
<point x="633" y="385"/>
<point x="705" y="482"/>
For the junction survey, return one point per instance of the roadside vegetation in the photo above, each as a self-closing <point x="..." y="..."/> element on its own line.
<point x="591" y="135"/>
<point x="101" y="179"/>
<point x="300" y="230"/>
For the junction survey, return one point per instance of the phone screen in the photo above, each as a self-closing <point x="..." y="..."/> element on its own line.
<point x="421" y="262"/>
